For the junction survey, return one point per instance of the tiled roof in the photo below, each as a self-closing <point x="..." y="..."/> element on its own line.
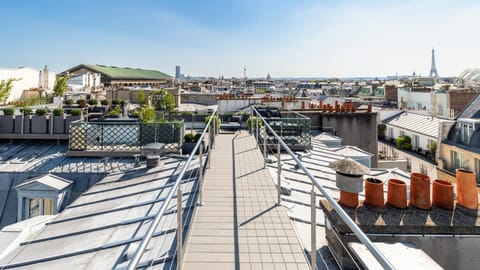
<point x="418" y="123"/>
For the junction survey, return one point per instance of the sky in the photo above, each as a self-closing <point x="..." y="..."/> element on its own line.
<point x="285" y="38"/>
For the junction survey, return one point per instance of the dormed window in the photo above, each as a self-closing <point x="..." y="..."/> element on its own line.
<point x="44" y="195"/>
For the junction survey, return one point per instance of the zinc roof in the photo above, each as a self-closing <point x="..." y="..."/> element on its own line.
<point x="418" y="123"/>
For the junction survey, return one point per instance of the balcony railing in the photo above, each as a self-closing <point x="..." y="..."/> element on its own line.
<point x="293" y="128"/>
<point x="281" y="144"/>
<point x="124" y="136"/>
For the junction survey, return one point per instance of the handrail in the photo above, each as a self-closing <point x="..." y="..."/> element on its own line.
<point x="158" y="216"/>
<point x="350" y="223"/>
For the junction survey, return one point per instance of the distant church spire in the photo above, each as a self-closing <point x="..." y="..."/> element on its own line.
<point x="433" y="68"/>
<point x="268" y="77"/>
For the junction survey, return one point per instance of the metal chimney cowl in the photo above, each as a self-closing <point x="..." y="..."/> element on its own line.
<point x="349" y="174"/>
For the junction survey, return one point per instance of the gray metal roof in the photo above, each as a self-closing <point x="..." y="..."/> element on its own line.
<point x="298" y="202"/>
<point x="417" y="123"/>
<point x="105" y="223"/>
<point x="20" y="162"/>
<point x="50" y="180"/>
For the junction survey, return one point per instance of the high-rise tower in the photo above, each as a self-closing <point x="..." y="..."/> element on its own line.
<point x="177" y="72"/>
<point x="433" y="68"/>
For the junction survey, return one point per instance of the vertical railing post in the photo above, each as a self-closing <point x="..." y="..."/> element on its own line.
<point x="179" y="229"/>
<point x="313" y="229"/>
<point x="256" y="130"/>
<point x="209" y="156"/>
<point x="214" y="120"/>
<point x="265" y="146"/>
<point x="279" y="174"/>
<point x="200" y="180"/>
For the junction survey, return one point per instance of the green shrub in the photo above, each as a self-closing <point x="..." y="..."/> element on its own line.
<point x="58" y="112"/>
<point x="92" y="102"/>
<point x="197" y="137"/>
<point x="115" y="112"/>
<point x="104" y="102"/>
<point x="188" y="137"/>
<point x="404" y="142"/>
<point x="76" y="112"/>
<point x="381" y="130"/>
<point x="116" y="102"/>
<point x="9" y="111"/>
<point x="41" y="111"/>
<point x="251" y="121"/>
<point x="407" y="146"/>
<point x="68" y="102"/>
<point x="26" y="110"/>
<point x="217" y="119"/>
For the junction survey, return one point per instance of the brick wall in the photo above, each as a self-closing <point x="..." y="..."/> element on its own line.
<point x="460" y="98"/>
<point x="391" y="93"/>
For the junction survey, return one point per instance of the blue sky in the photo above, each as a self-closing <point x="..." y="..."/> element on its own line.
<point x="211" y="37"/>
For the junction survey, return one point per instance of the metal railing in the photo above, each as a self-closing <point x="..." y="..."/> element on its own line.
<point x="210" y="128"/>
<point x="124" y="136"/>
<point x="292" y="127"/>
<point x="315" y="183"/>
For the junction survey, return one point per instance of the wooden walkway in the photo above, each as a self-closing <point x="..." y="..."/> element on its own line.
<point x="240" y="226"/>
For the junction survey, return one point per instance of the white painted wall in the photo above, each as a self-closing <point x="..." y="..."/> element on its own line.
<point x="440" y="104"/>
<point x="422" y="139"/>
<point x="30" y="78"/>
<point x="416" y="100"/>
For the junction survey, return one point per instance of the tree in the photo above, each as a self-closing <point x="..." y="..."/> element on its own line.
<point x="163" y="100"/>
<point x="147" y="114"/>
<point x="60" y="85"/>
<point x="141" y="97"/>
<point x="6" y="87"/>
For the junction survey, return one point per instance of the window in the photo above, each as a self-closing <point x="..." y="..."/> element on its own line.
<point x="415" y="142"/>
<point x="423" y="169"/>
<point x="466" y="132"/>
<point x="38" y="206"/>
<point x="390" y="132"/>
<point x="440" y="110"/>
<point x="457" y="160"/>
<point x="402" y="133"/>
<point x="33" y="207"/>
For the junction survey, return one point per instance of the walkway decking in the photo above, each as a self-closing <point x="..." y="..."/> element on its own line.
<point x="240" y="226"/>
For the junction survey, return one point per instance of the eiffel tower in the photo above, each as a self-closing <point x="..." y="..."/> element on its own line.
<point x="433" y="68"/>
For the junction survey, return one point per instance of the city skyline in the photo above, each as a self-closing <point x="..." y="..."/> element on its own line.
<point x="211" y="38"/>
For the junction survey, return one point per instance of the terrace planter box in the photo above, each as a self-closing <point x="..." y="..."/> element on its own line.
<point x="69" y="119"/>
<point x="19" y="123"/>
<point x="58" y="124"/>
<point x="6" y="124"/>
<point x="187" y="147"/>
<point x="39" y="124"/>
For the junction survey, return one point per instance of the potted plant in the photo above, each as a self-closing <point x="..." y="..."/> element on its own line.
<point x="39" y="122"/>
<point x="68" y="102"/>
<point x="104" y="102"/>
<point x="252" y="122"/>
<point x="22" y="121"/>
<point x="115" y="112"/>
<point x="190" y="140"/>
<point x="75" y="115"/>
<point x="92" y="102"/>
<point x="7" y="120"/>
<point x="217" y="122"/>
<point x="58" y="121"/>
